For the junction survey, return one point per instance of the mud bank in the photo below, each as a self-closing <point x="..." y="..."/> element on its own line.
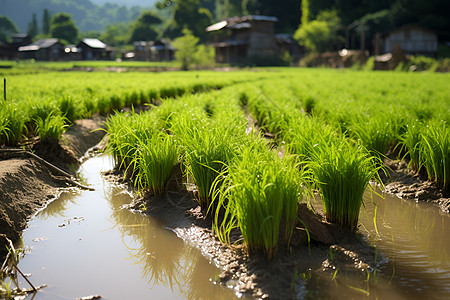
<point x="27" y="185"/>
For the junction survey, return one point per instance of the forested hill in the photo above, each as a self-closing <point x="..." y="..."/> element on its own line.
<point x="88" y="16"/>
<point x="129" y="3"/>
<point x="379" y="16"/>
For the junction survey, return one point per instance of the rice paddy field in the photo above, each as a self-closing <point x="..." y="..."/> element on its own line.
<point x="254" y="144"/>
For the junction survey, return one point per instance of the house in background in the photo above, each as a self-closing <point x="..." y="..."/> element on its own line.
<point x="238" y="39"/>
<point x="45" y="49"/>
<point x="94" y="49"/>
<point x="160" y="50"/>
<point x="10" y="50"/>
<point x="412" y="39"/>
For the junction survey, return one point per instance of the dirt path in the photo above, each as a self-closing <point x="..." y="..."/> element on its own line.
<point x="27" y="185"/>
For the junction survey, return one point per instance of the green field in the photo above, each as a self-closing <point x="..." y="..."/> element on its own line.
<point x="335" y="127"/>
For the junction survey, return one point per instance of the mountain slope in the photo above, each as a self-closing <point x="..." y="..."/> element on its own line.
<point x="88" y="16"/>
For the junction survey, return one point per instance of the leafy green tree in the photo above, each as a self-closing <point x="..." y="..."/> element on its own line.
<point x="7" y="27"/>
<point x="320" y="34"/>
<point x="188" y="14"/>
<point x="144" y="29"/>
<point x="305" y="11"/>
<point x="186" y="46"/>
<point x="116" y="35"/>
<point x="46" y="22"/>
<point x="63" y="27"/>
<point x="33" y="27"/>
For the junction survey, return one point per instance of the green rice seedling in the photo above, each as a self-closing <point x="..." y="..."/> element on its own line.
<point x="50" y="128"/>
<point x="156" y="158"/>
<point x="435" y="153"/>
<point x="259" y="196"/>
<point x="303" y="135"/>
<point x="14" y="119"/>
<point x="126" y="133"/>
<point x="69" y="109"/>
<point x="309" y="102"/>
<point x="410" y="142"/>
<point x="342" y="173"/>
<point x="208" y="146"/>
<point x="375" y="134"/>
<point x="116" y="102"/>
<point x="4" y="124"/>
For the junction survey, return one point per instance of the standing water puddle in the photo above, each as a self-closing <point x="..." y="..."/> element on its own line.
<point x="415" y="246"/>
<point x="83" y="244"/>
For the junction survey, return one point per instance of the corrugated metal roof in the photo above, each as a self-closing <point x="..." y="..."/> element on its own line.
<point x="46" y="43"/>
<point x="94" y="43"/>
<point x="40" y="44"/>
<point x="241" y="25"/>
<point x="234" y="22"/>
<point x="217" y="26"/>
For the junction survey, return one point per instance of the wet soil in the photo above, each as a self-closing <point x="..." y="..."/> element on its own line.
<point x="26" y="186"/>
<point x="403" y="182"/>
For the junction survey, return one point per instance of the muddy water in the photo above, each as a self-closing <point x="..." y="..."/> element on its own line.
<point x="84" y="244"/>
<point x="414" y="245"/>
<point x="412" y="254"/>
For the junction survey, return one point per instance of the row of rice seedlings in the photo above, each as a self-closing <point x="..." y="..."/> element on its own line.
<point x="342" y="173"/>
<point x="304" y="134"/>
<point x="14" y="119"/>
<point x="428" y="146"/>
<point x="375" y="134"/>
<point x="50" y="128"/>
<point x="86" y="101"/>
<point x="156" y="157"/>
<point x="141" y="147"/>
<point x="259" y="195"/>
<point x="208" y="145"/>
<point x="410" y="142"/>
<point x="339" y="171"/>
<point x="435" y="153"/>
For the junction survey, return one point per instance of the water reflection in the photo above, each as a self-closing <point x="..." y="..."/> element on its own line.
<point x="163" y="257"/>
<point x="57" y="207"/>
<point x="412" y="237"/>
<point x="136" y="256"/>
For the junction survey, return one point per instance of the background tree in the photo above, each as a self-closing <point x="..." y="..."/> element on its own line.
<point x="144" y="29"/>
<point x="63" y="27"/>
<point x="320" y="34"/>
<point x="186" y="46"/>
<point x="7" y="27"/>
<point x="116" y="35"/>
<point x="190" y="15"/>
<point x="46" y="22"/>
<point x="33" y="29"/>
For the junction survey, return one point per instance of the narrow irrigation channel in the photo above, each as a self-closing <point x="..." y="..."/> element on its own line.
<point x="413" y="253"/>
<point x="84" y="244"/>
<point x="412" y="238"/>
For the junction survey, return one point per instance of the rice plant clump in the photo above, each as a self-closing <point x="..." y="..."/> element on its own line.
<point x="51" y="127"/>
<point x="342" y="174"/>
<point x="156" y="158"/>
<point x="259" y="196"/>
<point x="435" y="153"/>
<point x="376" y="134"/>
<point x="411" y="141"/>
<point x="208" y="146"/>
<point x="13" y="123"/>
